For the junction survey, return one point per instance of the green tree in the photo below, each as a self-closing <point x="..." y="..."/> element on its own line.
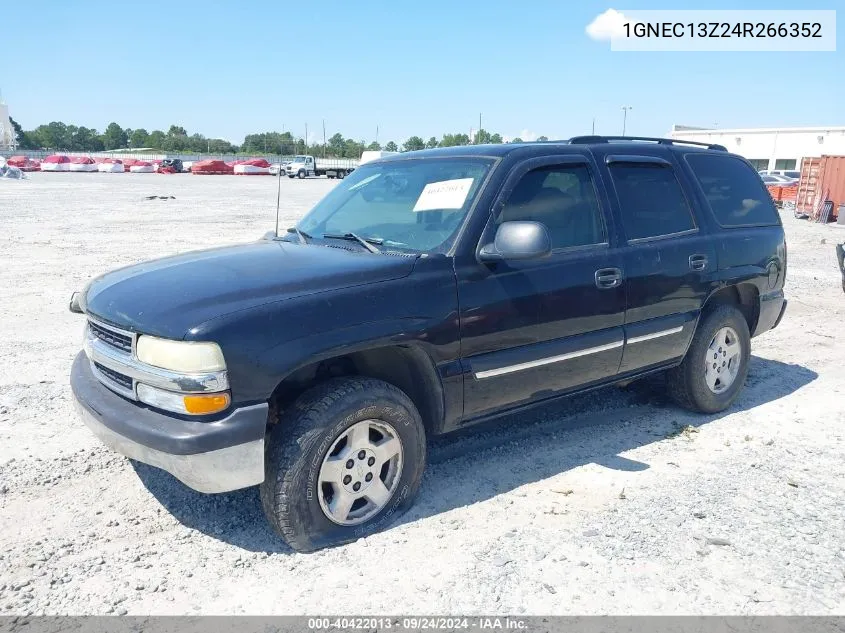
<point x="413" y="144"/>
<point x="336" y="145"/>
<point x="84" y="139"/>
<point x="176" y="130"/>
<point x="542" y="138"/>
<point x="391" y="147"/>
<point x="452" y="140"/>
<point x="54" y="135"/>
<point x="156" y="139"/>
<point x="374" y="147"/>
<point x="516" y="140"/>
<point x="431" y="143"/>
<point x="21" y="138"/>
<point x="114" y="137"/>
<point x="481" y="137"/>
<point x="496" y="139"/>
<point x="139" y="138"/>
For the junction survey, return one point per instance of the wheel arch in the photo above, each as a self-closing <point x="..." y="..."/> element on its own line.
<point x="407" y="367"/>
<point x="744" y="296"/>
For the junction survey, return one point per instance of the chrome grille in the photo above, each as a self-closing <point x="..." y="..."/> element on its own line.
<point x="120" y="380"/>
<point x="119" y="340"/>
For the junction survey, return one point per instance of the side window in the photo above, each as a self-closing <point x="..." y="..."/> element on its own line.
<point x="651" y="200"/>
<point x="563" y="198"/>
<point x="735" y="193"/>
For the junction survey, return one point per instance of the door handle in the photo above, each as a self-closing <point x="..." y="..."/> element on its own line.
<point x="608" y="278"/>
<point x="698" y="262"/>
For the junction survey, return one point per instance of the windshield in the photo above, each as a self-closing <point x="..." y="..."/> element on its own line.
<point x="299" y="159"/>
<point x="415" y="204"/>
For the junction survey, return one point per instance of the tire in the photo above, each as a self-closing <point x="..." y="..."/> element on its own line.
<point x="341" y="175"/>
<point x="308" y="433"/>
<point x="291" y="176"/>
<point x="687" y="383"/>
<point x="300" y="174"/>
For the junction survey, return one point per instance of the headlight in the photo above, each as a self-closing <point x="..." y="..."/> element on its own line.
<point x="180" y="356"/>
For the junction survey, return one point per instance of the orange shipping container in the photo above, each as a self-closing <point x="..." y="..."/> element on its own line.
<point x="820" y="176"/>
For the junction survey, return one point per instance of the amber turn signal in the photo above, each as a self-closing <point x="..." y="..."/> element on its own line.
<point x="199" y="404"/>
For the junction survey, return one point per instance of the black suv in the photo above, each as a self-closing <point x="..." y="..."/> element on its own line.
<point x="430" y="291"/>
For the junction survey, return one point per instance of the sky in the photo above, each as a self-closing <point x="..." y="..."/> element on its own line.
<point x="529" y="68"/>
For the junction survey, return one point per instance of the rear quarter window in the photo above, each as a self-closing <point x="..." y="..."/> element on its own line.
<point x="733" y="189"/>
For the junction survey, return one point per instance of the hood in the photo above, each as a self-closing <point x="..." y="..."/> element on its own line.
<point x="167" y="297"/>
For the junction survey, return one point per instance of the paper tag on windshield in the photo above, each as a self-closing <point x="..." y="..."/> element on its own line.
<point x="446" y="194"/>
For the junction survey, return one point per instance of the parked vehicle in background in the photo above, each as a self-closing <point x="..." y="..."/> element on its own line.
<point x="304" y="166"/>
<point x="174" y="165"/>
<point x="275" y="168"/>
<point x="840" y="257"/>
<point x="792" y="174"/>
<point x="424" y="294"/>
<point x="371" y="155"/>
<point x="771" y="179"/>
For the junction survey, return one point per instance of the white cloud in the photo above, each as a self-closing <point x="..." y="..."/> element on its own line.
<point x="607" y="25"/>
<point x="525" y="135"/>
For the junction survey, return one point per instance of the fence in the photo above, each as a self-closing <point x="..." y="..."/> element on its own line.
<point x="157" y="156"/>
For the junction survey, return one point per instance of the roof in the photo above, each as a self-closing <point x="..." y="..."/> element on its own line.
<point x="561" y="146"/>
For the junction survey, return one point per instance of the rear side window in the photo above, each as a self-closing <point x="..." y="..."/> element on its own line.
<point x="651" y="200"/>
<point x="734" y="191"/>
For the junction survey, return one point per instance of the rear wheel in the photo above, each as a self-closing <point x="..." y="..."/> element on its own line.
<point x="341" y="175"/>
<point x="342" y="463"/>
<point x="716" y="365"/>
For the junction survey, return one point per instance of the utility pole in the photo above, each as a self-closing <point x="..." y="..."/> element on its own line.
<point x="625" y="117"/>
<point x="324" y="138"/>
<point x="594" y="126"/>
<point x="377" y="135"/>
<point x="306" y="139"/>
<point x="479" y="126"/>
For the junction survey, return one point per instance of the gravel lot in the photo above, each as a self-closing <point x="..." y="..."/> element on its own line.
<point x="612" y="502"/>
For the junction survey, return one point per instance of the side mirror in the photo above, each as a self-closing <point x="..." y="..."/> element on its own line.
<point x="517" y="241"/>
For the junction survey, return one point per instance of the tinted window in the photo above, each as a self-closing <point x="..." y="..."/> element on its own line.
<point x="651" y="200"/>
<point x="759" y="163"/>
<point x="733" y="190"/>
<point x="564" y="199"/>
<point x="785" y="163"/>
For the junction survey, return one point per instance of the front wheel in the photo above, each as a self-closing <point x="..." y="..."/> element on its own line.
<point x="300" y="174"/>
<point x="716" y="365"/>
<point x="342" y="463"/>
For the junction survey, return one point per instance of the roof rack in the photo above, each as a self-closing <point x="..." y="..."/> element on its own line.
<point x="585" y="140"/>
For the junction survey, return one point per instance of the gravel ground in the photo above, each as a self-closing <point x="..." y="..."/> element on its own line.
<point x="614" y="502"/>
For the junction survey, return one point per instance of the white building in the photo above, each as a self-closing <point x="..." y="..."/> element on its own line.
<point x="7" y="133"/>
<point x="770" y="148"/>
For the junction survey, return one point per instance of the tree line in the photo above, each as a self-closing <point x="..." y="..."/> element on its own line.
<point x="58" y="136"/>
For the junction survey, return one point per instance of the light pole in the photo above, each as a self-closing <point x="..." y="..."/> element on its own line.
<point x="625" y="117"/>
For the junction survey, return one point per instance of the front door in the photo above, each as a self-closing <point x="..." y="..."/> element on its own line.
<point x="535" y="329"/>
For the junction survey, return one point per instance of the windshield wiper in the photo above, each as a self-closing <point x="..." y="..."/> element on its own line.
<point x="366" y="242"/>
<point x="303" y="237"/>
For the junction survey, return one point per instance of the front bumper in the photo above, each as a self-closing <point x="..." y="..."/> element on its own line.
<point x="215" y="456"/>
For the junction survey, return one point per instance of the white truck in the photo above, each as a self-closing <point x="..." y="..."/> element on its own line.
<point x="305" y="165"/>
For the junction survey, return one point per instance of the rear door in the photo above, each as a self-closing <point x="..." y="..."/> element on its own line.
<point x="669" y="260"/>
<point x="535" y="329"/>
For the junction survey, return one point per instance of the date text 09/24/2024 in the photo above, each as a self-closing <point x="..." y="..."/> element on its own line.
<point x="419" y="623"/>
